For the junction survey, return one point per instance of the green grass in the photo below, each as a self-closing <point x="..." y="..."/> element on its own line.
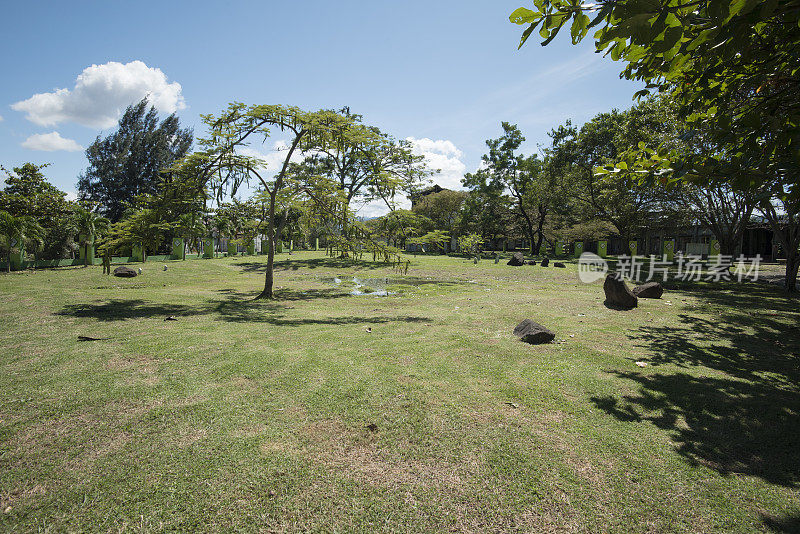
<point x="417" y="411"/>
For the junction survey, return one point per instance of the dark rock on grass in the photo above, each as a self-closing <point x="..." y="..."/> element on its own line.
<point x="650" y="290"/>
<point x="545" y="262"/>
<point x="533" y="333"/>
<point x="124" y="272"/>
<point x="618" y="295"/>
<point x="530" y="262"/>
<point x="559" y="264"/>
<point x="517" y="259"/>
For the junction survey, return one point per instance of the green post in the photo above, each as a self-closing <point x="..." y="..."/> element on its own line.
<point x="291" y="245"/>
<point x="18" y="257"/>
<point x="251" y="249"/>
<point x="316" y="244"/>
<point x="669" y="249"/>
<point x="602" y="248"/>
<point x="137" y="252"/>
<point x="559" y="249"/>
<point x="178" y="248"/>
<point x="279" y="246"/>
<point x="232" y="248"/>
<point x="633" y="247"/>
<point x="82" y="250"/>
<point x="578" y="249"/>
<point x="504" y="245"/>
<point x="208" y="247"/>
<point x="713" y="249"/>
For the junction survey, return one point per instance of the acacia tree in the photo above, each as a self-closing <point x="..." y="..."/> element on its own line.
<point x="225" y="170"/>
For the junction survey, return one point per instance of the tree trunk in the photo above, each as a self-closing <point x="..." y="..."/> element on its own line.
<point x="792" y="265"/>
<point x="85" y="254"/>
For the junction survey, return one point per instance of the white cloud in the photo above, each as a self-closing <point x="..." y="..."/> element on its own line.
<point x="443" y="155"/>
<point x="50" y="142"/>
<point x="1" y="118"/>
<point x="71" y="195"/>
<point x="101" y="94"/>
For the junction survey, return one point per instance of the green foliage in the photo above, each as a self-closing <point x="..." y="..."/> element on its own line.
<point x="437" y="239"/>
<point x="13" y="233"/>
<point x="129" y="162"/>
<point x="470" y="244"/>
<point x="28" y="193"/>
<point x="441" y="210"/>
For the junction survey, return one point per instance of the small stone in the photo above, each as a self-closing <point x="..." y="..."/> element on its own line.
<point x="165" y="267"/>
<point x="641" y="364"/>
<point x="124" y="272"/>
<point x="545" y="262"/>
<point x="650" y="290"/>
<point x="533" y="333"/>
<point x="617" y="293"/>
<point x="516" y="260"/>
<point x="559" y="264"/>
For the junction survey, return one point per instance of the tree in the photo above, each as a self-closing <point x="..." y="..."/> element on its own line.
<point x="486" y="211"/>
<point x="89" y="226"/>
<point x="614" y="197"/>
<point x="28" y="193"/>
<point x="722" y="209"/>
<point x="731" y="66"/>
<point x="13" y="231"/>
<point x="129" y="162"/>
<point x="435" y="238"/>
<point x="470" y="244"/>
<point x="442" y="209"/>
<point x="139" y="227"/>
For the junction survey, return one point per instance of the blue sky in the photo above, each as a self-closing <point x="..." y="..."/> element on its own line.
<point x="442" y="72"/>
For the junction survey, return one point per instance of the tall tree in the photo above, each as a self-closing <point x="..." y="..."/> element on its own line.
<point x="28" y="193"/>
<point x="443" y="209"/>
<point x="129" y="162"/>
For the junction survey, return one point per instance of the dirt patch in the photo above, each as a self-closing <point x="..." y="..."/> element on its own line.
<point x="357" y="455"/>
<point x="20" y="497"/>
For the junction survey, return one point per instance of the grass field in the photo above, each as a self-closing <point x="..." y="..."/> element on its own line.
<point x="417" y="411"/>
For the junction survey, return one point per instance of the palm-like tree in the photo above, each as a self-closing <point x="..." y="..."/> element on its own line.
<point x="14" y="229"/>
<point x="89" y="225"/>
<point x="190" y="227"/>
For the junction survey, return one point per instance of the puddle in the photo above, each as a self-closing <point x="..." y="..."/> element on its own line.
<point x="375" y="287"/>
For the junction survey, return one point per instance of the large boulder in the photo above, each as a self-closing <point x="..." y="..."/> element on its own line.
<point x="533" y="333"/>
<point x="545" y="262"/>
<point x="124" y="272"/>
<point x="650" y="290"/>
<point x="617" y="293"/>
<point x="517" y="259"/>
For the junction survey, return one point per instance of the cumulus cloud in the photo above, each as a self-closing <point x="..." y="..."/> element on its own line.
<point x="51" y="142"/>
<point x="443" y="155"/>
<point x="101" y="94"/>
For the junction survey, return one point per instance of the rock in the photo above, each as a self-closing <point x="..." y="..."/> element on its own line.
<point x="617" y="293"/>
<point x="530" y="262"/>
<point x="559" y="264"/>
<point x="165" y="267"/>
<point x="140" y="270"/>
<point x="545" y="262"/>
<point x="650" y="290"/>
<point x="517" y="259"/>
<point x="124" y="272"/>
<point x="533" y="333"/>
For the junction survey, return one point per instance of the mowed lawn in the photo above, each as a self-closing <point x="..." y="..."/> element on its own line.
<point x="417" y="411"/>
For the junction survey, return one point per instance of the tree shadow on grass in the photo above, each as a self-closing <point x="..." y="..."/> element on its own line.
<point x="123" y="309"/>
<point x="312" y="263"/>
<point x="234" y="309"/>
<point x="788" y="524"/>
<point x="743" y="418"/>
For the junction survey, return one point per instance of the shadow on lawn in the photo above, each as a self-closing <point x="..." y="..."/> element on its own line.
<point x="289" y="264"/>
<point x="744" y="419"/>
<point x="235" y="308"/>
<point x="122" y="309"/>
